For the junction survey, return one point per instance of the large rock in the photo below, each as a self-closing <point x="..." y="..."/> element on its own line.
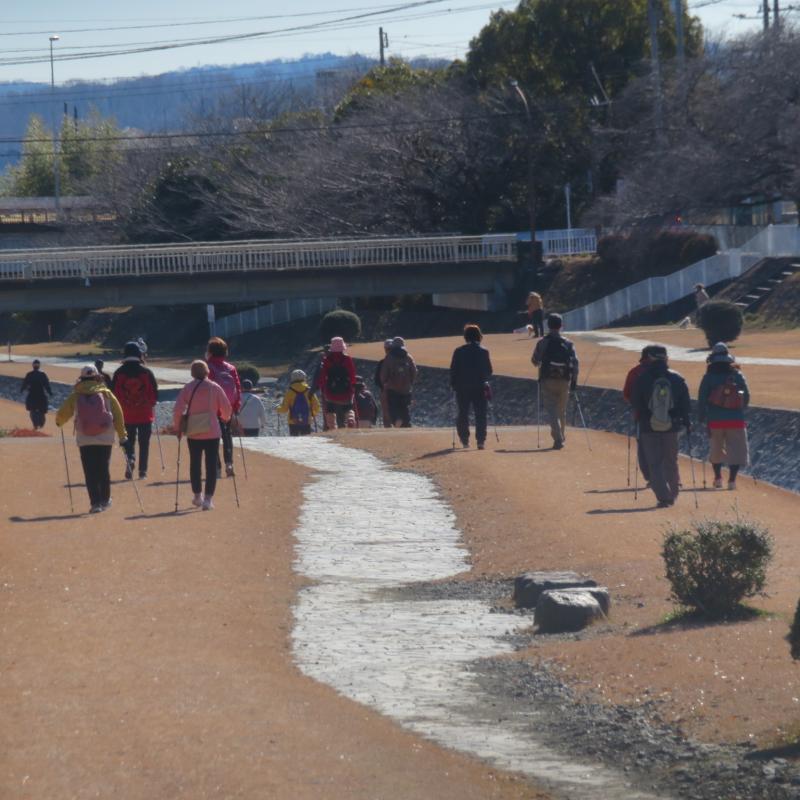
<point x="600" y="593"/>
<point x="528" y="587"/>
<point x="557" y="612"/>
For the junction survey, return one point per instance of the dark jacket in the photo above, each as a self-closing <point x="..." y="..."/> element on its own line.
<point x="643" y="389"/>
<point x="540" y="355"/>
<point x="716" y="416"/>
<point x="136" y="388"/>
<point x="376" y="378"/>
<point x="470" y="367"/>
<point x="398" y="371"/>
<point x="36" y="383"/>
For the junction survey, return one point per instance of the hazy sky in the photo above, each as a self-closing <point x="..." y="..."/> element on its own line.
<point x="441" y="28"/>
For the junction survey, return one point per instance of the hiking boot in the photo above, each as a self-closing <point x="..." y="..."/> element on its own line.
<point x="228" y="470"/>
<point x="558" y="445"/>
<point x="663" y="504"/>
<point x="208" y="504"/>
<point x="731" y="486"/>
<point x="197" y="500"/>
<point x="142" y="475"/>
<point x="480" y="445"/>
<point x="465" y="445"/>
<point x="717" y="483"/>
<point x="105" y="506"/>
<point x="96" y="509"/>
<point x="129" y="471"/>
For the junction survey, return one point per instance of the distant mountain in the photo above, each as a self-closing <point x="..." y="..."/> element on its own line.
<point x="170" y="102"/>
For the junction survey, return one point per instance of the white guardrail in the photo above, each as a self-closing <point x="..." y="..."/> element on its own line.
<point x="250" y="256"/>
<point x="775" y="240"/>
<point x="254" y="319"/>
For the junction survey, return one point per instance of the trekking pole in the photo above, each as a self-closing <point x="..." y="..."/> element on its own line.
<point x="691" y="463"/>
<point x="453" y="417"/>
<point x="177" y="472"/>
<point x="629" y="455"/>
<point x="235" y="489"/>
<point x="133" y="481"/>
<point x="636" y="466"/>
<point x="66" y="465"/>
<point x="241" y="446"/>
<point x="160" y="451"/>
<point x="583" y="421"/>
<point x="538" y="414"/>
<point x="494" y="423"/>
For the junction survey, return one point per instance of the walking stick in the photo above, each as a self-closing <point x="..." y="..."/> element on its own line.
<point x="691" y="463"/>
<point x="241" y="446"/>
<point x="538" y="413"/>
<point x="453" y="417"/>
<point x="133" y="481"/>
<point x="636" y="466"/>
<point x="177" y="472"/>
<point x="629" y="455"/>
<point x="235" y="489"/>
<point x="583" y="421"/>
<point x="66" y="465"/>
<point x="494" y="422"/>
<point x="160" y="451"/>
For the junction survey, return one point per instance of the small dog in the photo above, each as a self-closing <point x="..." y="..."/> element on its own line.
<point x="685" y="323"/>
<point x="524" y="329"/>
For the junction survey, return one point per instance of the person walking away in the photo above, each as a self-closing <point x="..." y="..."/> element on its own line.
<point x="136" y="388"/>
<point x="365" y="405"/>
<point x="387" y="423"/>
<point x="142" y="348"/>
<point x="225" y="375"/>
<point x="470" y="370"/>
<point x="558" y="367"/>
<point x="535" y="309"/>
<point x="398" y="374"/>
<point x="721" y="402"/>
<point x="252" y="416"/>
<point x="661" y="399"/>
<point x="37" y="385"/>
<point x="337" y="379"/>
<point x="201" y="408"/>
<point x="700" y="295"/>
<point x="98" y="365"/>
<point x="627" y="394"/>
<point x="300" y="404"/>
<point x="98" y="416"/>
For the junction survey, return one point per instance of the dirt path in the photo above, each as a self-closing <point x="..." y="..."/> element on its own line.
<point x="774" y="386"/>
<point x="147" y="656"/>
<point x="522" y="509"/>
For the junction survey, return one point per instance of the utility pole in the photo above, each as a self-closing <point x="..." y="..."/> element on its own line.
<point x="384" y="43"/>
<point x="536" y="257"/>
<point x="56" y="167"/>
<point x="681" y="50"/>
<point x="655" y="62"/>
<point x="765" y="9"/>
<point x="776" y="10"/>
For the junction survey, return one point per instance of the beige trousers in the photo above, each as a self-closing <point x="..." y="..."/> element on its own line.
<point x="728" y="446"/>
<point x="555" y="394"/>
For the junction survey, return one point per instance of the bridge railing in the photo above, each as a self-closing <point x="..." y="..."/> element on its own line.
<point x="204" y="258"/>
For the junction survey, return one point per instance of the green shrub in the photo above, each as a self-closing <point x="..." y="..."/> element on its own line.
<point x="715" y="566"/>
<point x="611" y="249"/>
<point x="248" y="371"/>
<point x="340" y="323"/>
<point x="794" y="633"/>
<point x="697" y="247"/>
<point x="721" y="321"/>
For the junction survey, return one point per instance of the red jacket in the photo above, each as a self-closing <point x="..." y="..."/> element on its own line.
<point x="137" y="391"/>
<point x="329" y="360"/>
<point x="226" y="375"/>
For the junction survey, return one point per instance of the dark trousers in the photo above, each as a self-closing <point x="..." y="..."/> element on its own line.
<point x="198" y="447"/>
<point x="96" y="459"/>
<point x="399" y="408"/>
<point x="299" y="430"/>
<point x="477" y="399"/>
<point x="142" y="431"/>
<point x="661" y="455"/>
<point x="37" y="417"/>
<point x="537" y="320"/>
<point x="640" y="455"/>
<point x="227" y="441"/>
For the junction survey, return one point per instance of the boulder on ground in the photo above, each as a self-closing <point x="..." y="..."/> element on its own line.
<point x="560" y="611"/>
<point x="600" y="593"/>
<point x="528" y="587"/>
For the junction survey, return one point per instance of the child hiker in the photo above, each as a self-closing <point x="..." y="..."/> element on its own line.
<point x="300" y="403"/>
<point x="251" y="417"/>
<point x="366" y="407"/>
<point x="98" y="416"/>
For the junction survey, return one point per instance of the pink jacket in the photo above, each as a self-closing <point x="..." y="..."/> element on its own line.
<point x="209" y="398"/>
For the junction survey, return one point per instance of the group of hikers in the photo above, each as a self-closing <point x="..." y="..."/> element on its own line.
<point x="215" y="405"/>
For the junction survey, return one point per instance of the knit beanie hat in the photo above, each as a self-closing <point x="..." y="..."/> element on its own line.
<point x="338" y="345"/>
<point x="297" y="375"/>
<point x="720" y="354"/>
<point x="132" y="350"/>
<point x="89" y="372"/>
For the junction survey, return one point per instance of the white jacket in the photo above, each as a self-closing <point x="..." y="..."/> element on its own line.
<point x="251" y="412"/>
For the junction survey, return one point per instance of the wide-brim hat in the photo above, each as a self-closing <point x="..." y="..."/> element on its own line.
<point x="297" y="375"/>
<point x="89" y="372"/>
<point x="338" y="345"/>
<point x="720" y="354"/>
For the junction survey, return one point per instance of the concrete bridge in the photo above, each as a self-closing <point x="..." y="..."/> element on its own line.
<point x="253" y="271"/>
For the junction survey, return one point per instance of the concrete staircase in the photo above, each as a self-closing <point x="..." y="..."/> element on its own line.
<point x="758" y="283"/>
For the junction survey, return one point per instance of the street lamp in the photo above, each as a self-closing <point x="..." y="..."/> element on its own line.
<point x="535" y="249"/>
<point x="56" y="172"/>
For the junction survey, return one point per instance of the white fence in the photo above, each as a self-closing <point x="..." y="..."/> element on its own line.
<point x="266" y="316"/>
<point x="776" y="240"/>
<point x="205" y="258"/>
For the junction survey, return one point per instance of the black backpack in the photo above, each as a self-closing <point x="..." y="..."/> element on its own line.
<point x="338" y="379"/>
<point x="557" y="359"/>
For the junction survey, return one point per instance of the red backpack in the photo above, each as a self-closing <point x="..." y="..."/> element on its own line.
<point x="92" y="414"/>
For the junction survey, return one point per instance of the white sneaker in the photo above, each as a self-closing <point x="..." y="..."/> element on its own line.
<point x="208" y="504"/>
<point x="731" y="486"/>
<point x="197" y="500"/>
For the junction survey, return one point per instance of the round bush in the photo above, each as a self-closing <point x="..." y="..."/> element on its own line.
<point x="340" y="323"/>
<point x="697" y="247"/>
<point x="248" y="371"/>
<point x="611" y="249"/>
<point x="715" y="566"/>
<point x="720" y="320"/>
